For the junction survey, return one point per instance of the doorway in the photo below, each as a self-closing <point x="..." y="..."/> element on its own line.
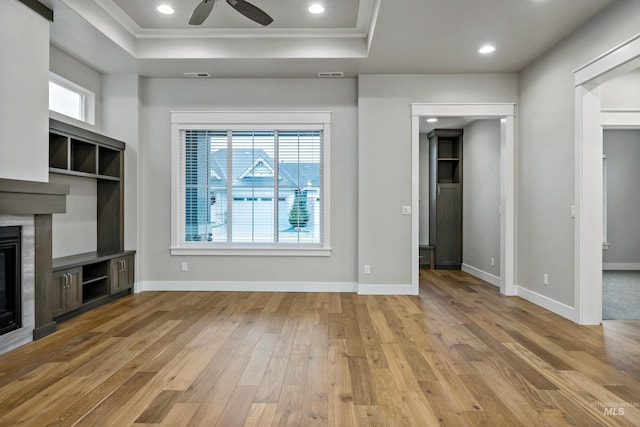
<point x="506" y="114"/>
<point x="478" y="172"/>
<point x="621" y="230"/>
<point x="590" y="121"/>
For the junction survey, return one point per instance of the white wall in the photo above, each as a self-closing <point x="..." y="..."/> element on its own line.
<point x="160" y="96"/>
<point x="121" y="118"/>
<point x="546" y="152"/>
<point x="75" y="231"/>
<point x="385" y="162"/>
<point x="622" y="148"/>
<point x="24" y="93"/>
<point x="481" y="198"/>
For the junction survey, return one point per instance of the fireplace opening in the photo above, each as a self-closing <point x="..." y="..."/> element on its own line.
<point x="10" y="279"/>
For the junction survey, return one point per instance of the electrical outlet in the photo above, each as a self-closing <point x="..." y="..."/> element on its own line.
<point x="185" y="266"/>
<point x="367" y="269"/>
<point x="493" y="261"/>
<point x="545" y="279"/>
<point x="406" y="210"/>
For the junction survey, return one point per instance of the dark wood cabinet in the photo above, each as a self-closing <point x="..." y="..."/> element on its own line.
<point x="445" y="197"/>
<point x="67" y="291"/>
<point x="122" y="274"/>
<point x="90" y="280"/>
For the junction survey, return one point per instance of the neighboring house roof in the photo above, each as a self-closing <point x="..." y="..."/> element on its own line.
<point x="256" y="169"/>
<point x="306" y="174"/>
<point x="260" y="168"/>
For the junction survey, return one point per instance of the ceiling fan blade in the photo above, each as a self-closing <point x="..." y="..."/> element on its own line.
<point x="250" y="11"/>
<point x="201" y="12"/>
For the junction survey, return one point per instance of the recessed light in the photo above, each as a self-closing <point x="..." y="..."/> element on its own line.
<point x="165" y="9"/>
<point x="486" y="49"/>
<point x="432" y="119"/>
<point x="316" y="8"/>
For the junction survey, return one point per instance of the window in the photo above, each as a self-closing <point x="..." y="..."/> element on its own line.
<point x="71" y="100"/>
<point x="250" y="182"/>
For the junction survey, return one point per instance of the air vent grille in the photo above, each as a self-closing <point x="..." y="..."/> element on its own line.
<point x="330" y="74"/>
<point x="197" y="75"/>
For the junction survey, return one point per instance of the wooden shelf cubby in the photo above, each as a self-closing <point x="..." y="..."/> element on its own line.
<point x="83" y="156"/>
<point x="109" y="162"/>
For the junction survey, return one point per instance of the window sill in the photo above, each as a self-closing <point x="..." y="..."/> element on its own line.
<point x="246" y="251"/>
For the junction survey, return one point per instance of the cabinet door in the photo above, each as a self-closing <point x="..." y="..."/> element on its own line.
<point x="67" y="291"/>
<point x="74" y="290"/>
<point x="58" y="293"/>
<point x="129" y="272"/>
<point x="122" y="273"/>
<point x="115" y="274"/>
<point x="449" y="226"/>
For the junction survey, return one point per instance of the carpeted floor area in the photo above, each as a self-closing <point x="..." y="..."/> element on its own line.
<point x="620" y="295"/>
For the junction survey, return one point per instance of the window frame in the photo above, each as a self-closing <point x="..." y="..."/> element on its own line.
<point x="246" y="120"/>
<point x="88" y="99"/>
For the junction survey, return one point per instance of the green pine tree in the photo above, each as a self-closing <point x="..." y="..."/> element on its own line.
<point x="299" y="215"/>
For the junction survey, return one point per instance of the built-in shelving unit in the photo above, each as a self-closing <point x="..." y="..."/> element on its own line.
<point x="445" y="197"/>
<point x="84" y="281"/>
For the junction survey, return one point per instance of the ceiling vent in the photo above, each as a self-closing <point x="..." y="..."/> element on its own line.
<point x="330" y="74"/>
<point x="197" y="75"/>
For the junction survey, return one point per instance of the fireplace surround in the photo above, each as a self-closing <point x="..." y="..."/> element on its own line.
<point x="29" y="206"/>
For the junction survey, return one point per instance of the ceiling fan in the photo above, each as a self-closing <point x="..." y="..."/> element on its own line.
<point x="252" y="12"/>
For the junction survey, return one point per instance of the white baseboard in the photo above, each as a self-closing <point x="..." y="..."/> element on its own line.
<point x="247" y="286"/>
<point x="548" y="303"/>
<point x="621" y="266"/>
<point x="385" y="289"/>
<point x="487" y="277"/>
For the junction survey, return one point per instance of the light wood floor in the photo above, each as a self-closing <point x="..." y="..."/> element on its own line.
<point x="459" y="354"/>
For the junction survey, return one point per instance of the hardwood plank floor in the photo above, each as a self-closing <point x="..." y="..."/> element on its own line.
<point x="459" y="354"/>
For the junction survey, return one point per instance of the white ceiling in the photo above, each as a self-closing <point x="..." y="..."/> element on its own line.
<point x="288" y="14"/>
<point x="355" y="37"/>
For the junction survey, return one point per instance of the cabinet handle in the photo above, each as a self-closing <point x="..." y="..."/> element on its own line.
<point x="438" y="191"/>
